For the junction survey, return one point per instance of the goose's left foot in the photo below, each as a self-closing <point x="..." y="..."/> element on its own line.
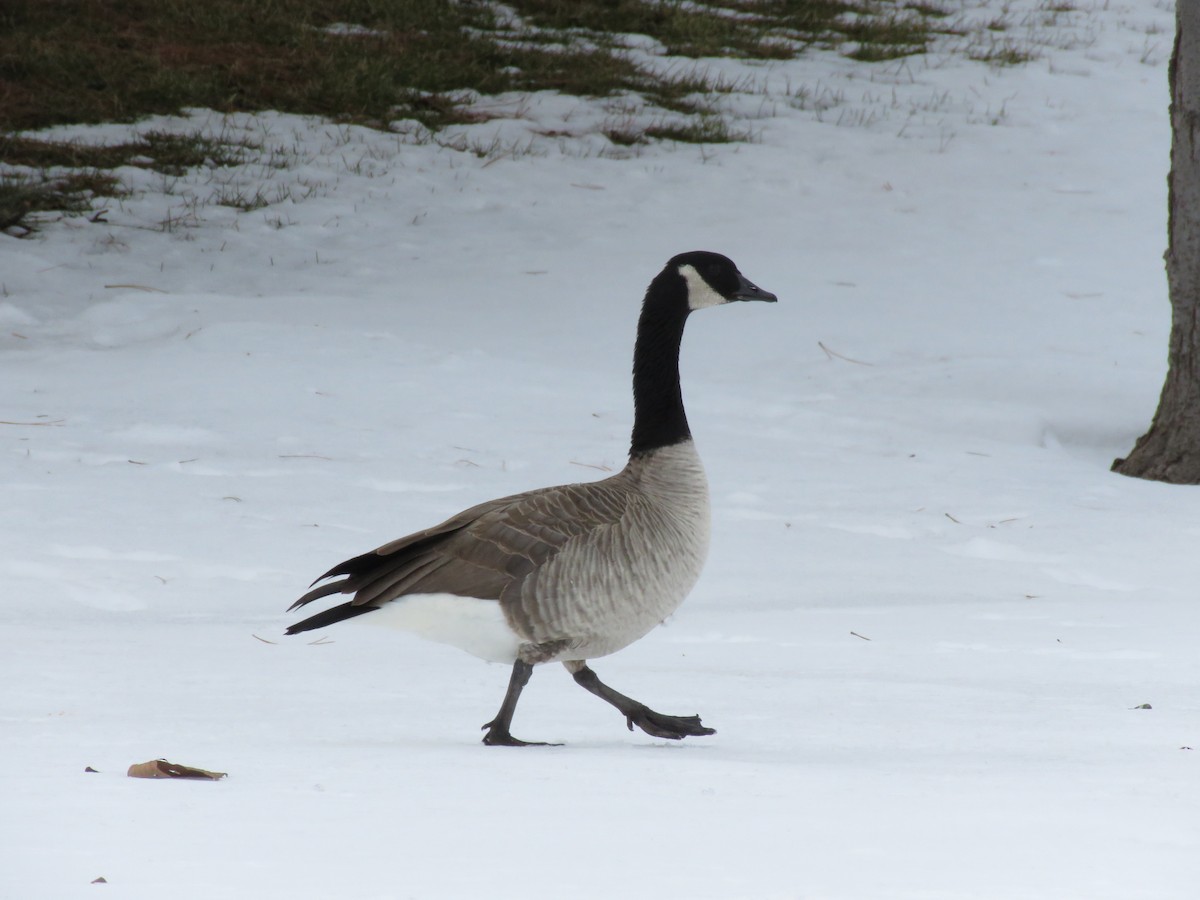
<point x="656" y="724"/>
<point x="498" y="736"/>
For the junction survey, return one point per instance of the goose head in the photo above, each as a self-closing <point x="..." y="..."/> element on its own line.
<point x="710" y="279"/>
<point x="688" y="282"/>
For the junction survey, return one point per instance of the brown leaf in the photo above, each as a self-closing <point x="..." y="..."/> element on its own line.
<point x="160" y="768"/>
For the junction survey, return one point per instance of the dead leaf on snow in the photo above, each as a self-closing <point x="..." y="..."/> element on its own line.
<point x="161" y="768"/>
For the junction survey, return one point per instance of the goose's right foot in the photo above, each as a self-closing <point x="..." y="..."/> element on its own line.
<point x="655" y="724"/>
<point x="661" y="725"/>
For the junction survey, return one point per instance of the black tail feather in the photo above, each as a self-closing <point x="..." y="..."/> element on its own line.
<point x="330" y="616"/>
<point x="334" y="587"/>
<point x="354" y="566"/>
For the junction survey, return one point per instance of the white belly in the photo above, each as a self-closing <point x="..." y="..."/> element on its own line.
<point x="476" y="626"/>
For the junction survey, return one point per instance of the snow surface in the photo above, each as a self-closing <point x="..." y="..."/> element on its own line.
<point x="931" y="614"/>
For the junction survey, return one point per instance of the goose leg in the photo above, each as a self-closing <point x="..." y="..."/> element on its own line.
<point x="653" y="723"/>
<point x="498" y="734"/>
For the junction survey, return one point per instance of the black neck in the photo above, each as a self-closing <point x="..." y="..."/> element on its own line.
<point x="658" y="416"/>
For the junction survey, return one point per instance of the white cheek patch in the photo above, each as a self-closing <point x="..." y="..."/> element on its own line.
<point x="700" y="293"/>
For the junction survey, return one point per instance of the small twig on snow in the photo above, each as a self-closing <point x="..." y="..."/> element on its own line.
<point x="601" y="468"/>
<point x="135" y="287"/>
<point x="833" y="354"/>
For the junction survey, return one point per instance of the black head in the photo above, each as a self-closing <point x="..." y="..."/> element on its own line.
<point x="712" y="279"/>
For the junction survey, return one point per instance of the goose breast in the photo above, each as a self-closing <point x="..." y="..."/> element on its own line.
<point x="611" y="584"/>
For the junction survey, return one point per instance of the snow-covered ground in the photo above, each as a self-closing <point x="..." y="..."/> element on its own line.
<point x="931" y="616"/>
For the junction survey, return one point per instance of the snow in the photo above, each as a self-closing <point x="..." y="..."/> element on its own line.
<point x="930" y="615"/>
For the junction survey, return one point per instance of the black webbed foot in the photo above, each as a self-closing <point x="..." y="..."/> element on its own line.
<point x="661" y="725"/>
<point x="655" y="724"/>
<point x="498" y="736"/>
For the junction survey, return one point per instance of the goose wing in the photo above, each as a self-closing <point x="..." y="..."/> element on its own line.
<point x="488" y="551"/>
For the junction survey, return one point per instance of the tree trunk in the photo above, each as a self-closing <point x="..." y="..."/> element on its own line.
<point x="1170" y="450"/>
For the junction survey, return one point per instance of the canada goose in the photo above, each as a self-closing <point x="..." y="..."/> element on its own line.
<point x="577" y="571"/>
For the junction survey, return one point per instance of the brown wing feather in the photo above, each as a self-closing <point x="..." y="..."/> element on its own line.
<point x="487" y="551"/>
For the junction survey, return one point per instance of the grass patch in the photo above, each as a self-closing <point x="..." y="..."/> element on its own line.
<point x="749" y="29"/>
<point x="247" y="199"/>
<point x="703" y="129"/>
<point x="85" y="61"/>
<point x="371" y="61"/>
<point x="760" y="30"/>
<point x="887" y="37"/>
<point x="931" y="10"/>
<point x="625" y="134"/>
<point x="68" y="176"/>
<point x="161" y="151"/>
<point x="117" y="60"/>
<point x="22" y="197"/>
<point x="1001" y="52"/>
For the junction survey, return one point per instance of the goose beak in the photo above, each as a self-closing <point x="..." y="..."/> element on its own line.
<point x="748" y="290"/>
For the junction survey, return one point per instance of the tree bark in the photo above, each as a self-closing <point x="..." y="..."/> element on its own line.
<point x="1170" y="450"/>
